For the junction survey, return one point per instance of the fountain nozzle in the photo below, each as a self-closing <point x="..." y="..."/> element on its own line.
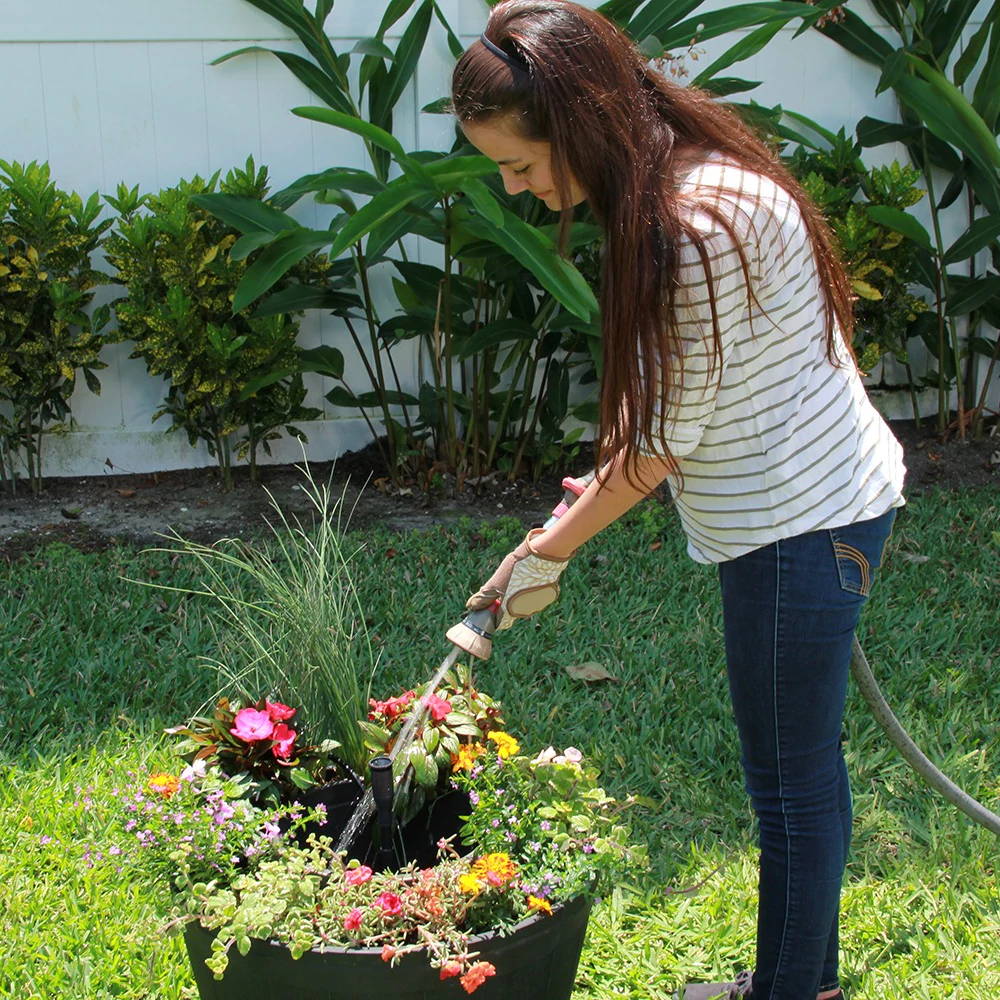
<point x="380" y="774"/>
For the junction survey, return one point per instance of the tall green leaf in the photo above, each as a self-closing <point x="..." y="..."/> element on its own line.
<point x="332" y="91"/>
<point x="854" y="35"/>
<point x="274" y="262"/>
<point x="384" y="97"/>
<point x="537" y="253"/>
<point x="743" y="49"/>
<point x="718" y="22"/>
<point x="350" y="123"/>
<point x="248" y="215"/>
<point x="980" y="234"/>
<point x="385" y="205"/>
<point x="901" y="222"/>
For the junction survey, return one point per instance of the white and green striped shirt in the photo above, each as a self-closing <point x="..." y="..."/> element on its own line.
<point x="785" y="442"/>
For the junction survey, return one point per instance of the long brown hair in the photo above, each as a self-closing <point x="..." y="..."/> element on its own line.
<point x="574" y="80"/>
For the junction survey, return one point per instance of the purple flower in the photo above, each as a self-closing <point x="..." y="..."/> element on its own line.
<point x="545" y="824"/>
<point x="271" y="831"/>
<point x="44" y="839"/>
<point x="474" y="798"/>
<point x="223" y="811"/>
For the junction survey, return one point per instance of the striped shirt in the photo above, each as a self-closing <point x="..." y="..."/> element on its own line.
<point x="785" y="442"/>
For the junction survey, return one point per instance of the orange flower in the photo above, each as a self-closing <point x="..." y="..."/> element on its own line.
<point x="507" y="746"/>
<point x="163" y="784"/>
<point x="466" y="756"/>
<point x="539" y="904"/>
<point x="388" y="953"/>
<point x="450" y="969"/>
<point x="476" y="976"/>
<point x="497" y="869"/>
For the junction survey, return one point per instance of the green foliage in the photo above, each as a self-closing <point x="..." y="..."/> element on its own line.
<point x="949" y="126"/>
<point x="47" y="282"/>
<point x="269" y="763"/>
<point x="452" y="714"/>
<point x="233" y="379"/>
<point x="881" y="263"/>
<point x="289" y="623"/>
<point x="506" y="329"/>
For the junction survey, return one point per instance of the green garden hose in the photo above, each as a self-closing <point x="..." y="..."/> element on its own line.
<point x="912" y="754"/>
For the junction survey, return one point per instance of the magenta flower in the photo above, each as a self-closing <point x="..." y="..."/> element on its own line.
<point x="358" y="876"/>
<point x="438" y="707"/>
<point x="390" y="904"/>
<point x="277" y="712"/>
<point x="284" y="741"/>
<point x="352" y="922"/>
<point x="252" y="726"/>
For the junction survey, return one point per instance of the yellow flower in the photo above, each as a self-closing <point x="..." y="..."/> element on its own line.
<point x="539" y="904"/>
<point x="466" y="756"/>
<point x="470" y="884"/>
<point x="507" y="746"/>
<point x="163" y="784"/>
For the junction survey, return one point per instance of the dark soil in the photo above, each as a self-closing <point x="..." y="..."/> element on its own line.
<point x="100" y="511"/>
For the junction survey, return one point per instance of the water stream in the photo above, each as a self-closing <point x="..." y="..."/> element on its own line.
<point x="365" y="808"/>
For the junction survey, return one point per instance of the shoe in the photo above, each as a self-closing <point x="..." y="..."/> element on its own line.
<point x="717" y="991"/>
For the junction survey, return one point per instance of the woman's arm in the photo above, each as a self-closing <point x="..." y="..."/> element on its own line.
<point x="598" y="506"/>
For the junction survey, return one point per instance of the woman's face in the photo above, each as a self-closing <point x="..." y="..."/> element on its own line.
<point x="525" y="165"/>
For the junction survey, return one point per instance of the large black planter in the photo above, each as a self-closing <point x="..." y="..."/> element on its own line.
<point x="536" y="961"/>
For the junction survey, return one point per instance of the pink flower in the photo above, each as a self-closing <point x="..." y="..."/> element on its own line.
<point x="352" y="922"/>
<point x="438" y="707"/>
<point x="252" y="725"/>
<point x="390" y="904"/>
<point x="392" y="708"/>
<point x="358" y="876"/>
<point x="388" y="953"/>
<point x="277" y="712"/>
<point x="284" y="741"/>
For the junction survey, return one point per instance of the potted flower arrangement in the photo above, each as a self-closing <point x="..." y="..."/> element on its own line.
<point x="483" y="881"/>
<point x="268" y="903"/>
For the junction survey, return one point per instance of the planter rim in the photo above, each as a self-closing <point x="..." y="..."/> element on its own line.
<point x="571" y="904"/>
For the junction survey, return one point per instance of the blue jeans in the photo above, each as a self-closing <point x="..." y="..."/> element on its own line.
<point x="789" y="611"/>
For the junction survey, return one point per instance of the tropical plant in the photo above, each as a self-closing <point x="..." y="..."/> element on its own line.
<point x="47" y="282"/>
<point x="234" y="377"/>
<point x="881" y="262"/>
<point x="505" y="322"/>
<point x="950" y="109"/>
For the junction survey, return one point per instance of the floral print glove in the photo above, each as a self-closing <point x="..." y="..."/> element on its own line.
<point x="525" y="583"/>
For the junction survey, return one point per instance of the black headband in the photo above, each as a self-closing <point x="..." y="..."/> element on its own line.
<point x="515" y="62"/>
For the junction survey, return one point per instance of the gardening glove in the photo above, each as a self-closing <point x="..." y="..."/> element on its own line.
<point x="525" y="583"/>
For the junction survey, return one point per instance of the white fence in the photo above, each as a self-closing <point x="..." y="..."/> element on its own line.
<point x="123" y="90"/>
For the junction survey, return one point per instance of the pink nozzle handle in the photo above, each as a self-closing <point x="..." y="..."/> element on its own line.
<point x="573" y="488"/>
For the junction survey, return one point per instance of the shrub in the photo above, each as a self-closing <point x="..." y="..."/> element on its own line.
<point x="228" y="373"/>
<point x="47" y="237"/>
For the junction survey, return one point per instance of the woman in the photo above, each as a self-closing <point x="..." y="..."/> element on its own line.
<point x="728" y="372"/>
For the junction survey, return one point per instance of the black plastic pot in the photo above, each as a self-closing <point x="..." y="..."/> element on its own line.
<point x="536" y="961"/>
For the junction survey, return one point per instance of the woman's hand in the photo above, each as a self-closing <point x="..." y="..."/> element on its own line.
<point x="525" y="583"/>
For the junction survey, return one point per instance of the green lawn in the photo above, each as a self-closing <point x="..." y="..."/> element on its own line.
<point x="92" y="668"/>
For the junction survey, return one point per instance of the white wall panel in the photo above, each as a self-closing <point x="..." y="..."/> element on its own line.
<point x="125" y="114"/>
<point x="181" y="123"/>
<point x="71" y="122"/>
<point x="23" y="136"/>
